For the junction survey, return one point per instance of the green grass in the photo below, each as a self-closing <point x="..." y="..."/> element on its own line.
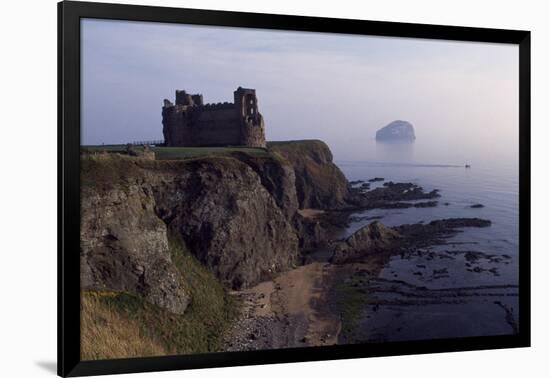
<point x="304" y="145"/>
<point x="176" y="153"/>
<point x="350" y="302"/>
<point x="181" y="153"/>
<point x="106" y="147"/>
<point x="292" y="143"/>
<point x="301" y="151"/>
<point x="201" y="328"/>
<point x="273" y="150"/>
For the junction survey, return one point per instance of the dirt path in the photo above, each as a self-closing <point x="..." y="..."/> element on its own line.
<point x="289" y="311"/>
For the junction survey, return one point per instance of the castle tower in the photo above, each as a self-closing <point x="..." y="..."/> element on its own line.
<point x="197" y="99"/>
<point x="183" y="98"/>
<point x="246" y="104"/>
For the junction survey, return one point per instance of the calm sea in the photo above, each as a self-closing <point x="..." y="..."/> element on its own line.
<point x="482" y="293"/>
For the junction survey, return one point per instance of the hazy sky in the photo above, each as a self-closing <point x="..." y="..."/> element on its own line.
<point x="337" y="88"/>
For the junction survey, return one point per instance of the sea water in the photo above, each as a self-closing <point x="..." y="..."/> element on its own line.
<point x="482" y="295"/>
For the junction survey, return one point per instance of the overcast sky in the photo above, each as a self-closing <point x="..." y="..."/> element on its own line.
<point x="338" y="88"/>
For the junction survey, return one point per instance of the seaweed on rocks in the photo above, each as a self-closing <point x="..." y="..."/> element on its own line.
<point x="392" y="195"/>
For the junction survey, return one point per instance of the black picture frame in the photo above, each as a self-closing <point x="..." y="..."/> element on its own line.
<point x="69" y="15"/>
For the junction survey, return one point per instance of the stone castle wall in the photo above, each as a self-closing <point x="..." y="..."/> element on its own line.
<point x="189" y="122"/>
<point x="254" y="136"/>
<point x="219" y="127"/>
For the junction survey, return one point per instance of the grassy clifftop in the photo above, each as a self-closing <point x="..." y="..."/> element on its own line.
<point x="319" y="182"/>
<point x="306" y="146"/>
<point x="303" y="146"/>
<point x="181" y="153"/>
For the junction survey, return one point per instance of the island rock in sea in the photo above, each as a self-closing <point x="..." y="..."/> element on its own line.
<point x="396" y="131"/>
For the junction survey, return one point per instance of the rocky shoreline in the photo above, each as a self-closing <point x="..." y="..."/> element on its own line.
<point x="351" y="273"/>
<point x="263" y="322"/>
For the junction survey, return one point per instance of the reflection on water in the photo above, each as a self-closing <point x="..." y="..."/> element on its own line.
<point x="440" y="291"/>
<point x="397" y="151"/>
<point x="459" y="153"/>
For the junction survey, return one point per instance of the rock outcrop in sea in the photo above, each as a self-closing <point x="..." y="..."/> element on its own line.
<point x="375" y="238"/>
<point x="371" y="239"/>
<point x="396" y="131"/>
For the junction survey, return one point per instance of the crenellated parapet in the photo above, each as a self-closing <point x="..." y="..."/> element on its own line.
<point x="217" y="106"/>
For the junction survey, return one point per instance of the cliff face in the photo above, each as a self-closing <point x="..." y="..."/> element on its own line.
<point x="277" y="176"/>
<point x="124" y="246"/>
<point x="320" y="183"/>
<point x="229" y="221"/>
<point x="236" y="214"/>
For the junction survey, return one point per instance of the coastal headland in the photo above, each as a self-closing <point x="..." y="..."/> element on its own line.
<point x="212" y="249"/>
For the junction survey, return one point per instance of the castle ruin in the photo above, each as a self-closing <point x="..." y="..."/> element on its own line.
<point x="189" y="122"/>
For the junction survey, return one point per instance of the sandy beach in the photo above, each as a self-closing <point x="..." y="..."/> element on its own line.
<point x="288" y="311"/>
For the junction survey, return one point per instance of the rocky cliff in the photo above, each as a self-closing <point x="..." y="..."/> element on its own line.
<point x="277" y="176"/>
<point x="237" y="214"/>
<point x="227" y="218"/>
<point x="123" y="243"/>
<point x="320" y="184"/>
